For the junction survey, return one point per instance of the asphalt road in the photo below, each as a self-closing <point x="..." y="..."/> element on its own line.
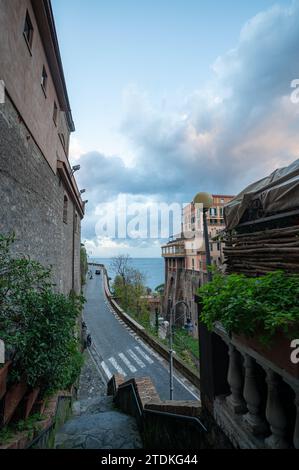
<point x="117" y="349"/>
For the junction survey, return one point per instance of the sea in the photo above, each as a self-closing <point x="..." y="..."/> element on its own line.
<point x="151" y="268"/>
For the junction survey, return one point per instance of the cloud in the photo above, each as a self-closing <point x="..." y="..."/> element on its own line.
<point x="238" y="128"/>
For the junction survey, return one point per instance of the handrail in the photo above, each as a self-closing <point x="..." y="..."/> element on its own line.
<point x="130" y="385"/>
<point x="194" y="419"/>
<point x="143" y="411"/>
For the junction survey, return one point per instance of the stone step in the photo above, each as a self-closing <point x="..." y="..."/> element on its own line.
<point x="93" y="405"/>
<point x="102" y="430"/>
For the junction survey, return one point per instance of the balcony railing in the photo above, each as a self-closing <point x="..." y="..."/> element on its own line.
<point x="173" y="251"/>
<point x="262" y="408"/>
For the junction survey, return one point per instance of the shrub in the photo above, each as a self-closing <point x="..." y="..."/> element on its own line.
<point x="37" y="323"/>
<point x="262" y="305"/>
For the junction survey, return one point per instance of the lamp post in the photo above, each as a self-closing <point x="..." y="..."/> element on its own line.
<point x="171" y="344"/>
<point x="206" y="200"/>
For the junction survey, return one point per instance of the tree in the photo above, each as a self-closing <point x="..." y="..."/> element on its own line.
<point x="121" y="266"/>
<point x="129" y="286"/>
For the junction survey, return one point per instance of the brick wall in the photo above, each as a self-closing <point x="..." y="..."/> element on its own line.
<point x="32" y="197"/>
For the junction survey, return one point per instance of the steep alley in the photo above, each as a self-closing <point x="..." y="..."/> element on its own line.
<point x="117" y="349"/>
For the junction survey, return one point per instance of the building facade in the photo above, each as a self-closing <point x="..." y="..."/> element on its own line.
<point x="185" y="258"/>
<point x="40" y="200"/>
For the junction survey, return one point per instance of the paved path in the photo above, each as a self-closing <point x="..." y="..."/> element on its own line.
<point x="117" y="349"/>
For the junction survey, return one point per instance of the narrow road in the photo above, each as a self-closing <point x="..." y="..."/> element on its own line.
<point x="117" y="349"/>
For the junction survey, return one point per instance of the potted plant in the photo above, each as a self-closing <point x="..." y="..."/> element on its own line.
<point x="262" y="313"/>
<point x="3" y="378"/>
<point x="12" y="399"/>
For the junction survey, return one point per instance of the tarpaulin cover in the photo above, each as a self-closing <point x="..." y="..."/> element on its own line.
<point x="277" y="192"/>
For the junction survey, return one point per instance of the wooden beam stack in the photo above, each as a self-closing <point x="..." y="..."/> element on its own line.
<point x="261" y="252"/>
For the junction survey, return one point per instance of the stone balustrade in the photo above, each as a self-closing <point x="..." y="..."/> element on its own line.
<point x="262" y="408"/>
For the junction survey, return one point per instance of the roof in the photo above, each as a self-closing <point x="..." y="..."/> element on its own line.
<point x="277" y="193"/>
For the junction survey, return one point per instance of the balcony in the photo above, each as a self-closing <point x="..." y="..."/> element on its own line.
<point x="174" y="250"/>
<point x="261" y="409"/>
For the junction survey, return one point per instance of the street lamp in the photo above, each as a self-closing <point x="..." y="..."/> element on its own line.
<point x="207" y="202"/>
<point x="171" y="344"/>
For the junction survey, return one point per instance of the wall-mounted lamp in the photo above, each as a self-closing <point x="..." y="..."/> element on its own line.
<point x="85" y="202"/>
<point x="82" y="191"/>
<point x="75" y="168"/>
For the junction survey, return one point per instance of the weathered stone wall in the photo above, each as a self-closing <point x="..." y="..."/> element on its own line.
<point x="32" y="199"/>
<point x="182" y="284"/>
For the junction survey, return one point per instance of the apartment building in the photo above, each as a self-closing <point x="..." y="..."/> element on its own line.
<point x="40" y="200"/>
<point x="185" y="257"/>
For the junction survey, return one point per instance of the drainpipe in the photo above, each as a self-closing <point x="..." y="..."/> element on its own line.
<point x="73" y="250"/>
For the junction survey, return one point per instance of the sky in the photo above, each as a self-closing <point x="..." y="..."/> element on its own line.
<point x="173" y="97"/>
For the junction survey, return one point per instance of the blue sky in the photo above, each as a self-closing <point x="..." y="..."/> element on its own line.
<point x="165" y="47"/>
<point x="173" y="97"/>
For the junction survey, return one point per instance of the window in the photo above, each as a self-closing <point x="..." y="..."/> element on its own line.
<point x="65" y="207"/>
<point x="213" y="211"/>
<point x="44" y="80"/>
<point x="28" y="31"/>
<point x="76" y="223"/>
<point x="55" y="113"/>
<point x="62" y="140"/>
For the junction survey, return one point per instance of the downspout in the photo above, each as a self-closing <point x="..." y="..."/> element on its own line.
<point x="73" y="250"/>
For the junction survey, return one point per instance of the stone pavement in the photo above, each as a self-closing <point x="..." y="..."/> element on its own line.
<point x="98" y="425"/>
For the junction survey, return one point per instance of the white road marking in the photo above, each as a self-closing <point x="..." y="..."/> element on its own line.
<point x="149" y="350"/>
<point x="127" y="362"/>
<point x="117" y="366"/>
<point x="187" y="388"/>
<point x="143" y="354"/>
<point x="136" y="358"/>
<point x="106" y="370"/>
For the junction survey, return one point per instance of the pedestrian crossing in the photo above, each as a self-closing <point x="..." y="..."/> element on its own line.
<point x="125" y="363"/>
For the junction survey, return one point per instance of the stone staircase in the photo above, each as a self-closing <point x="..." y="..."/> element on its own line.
<point x="97" y="424"/>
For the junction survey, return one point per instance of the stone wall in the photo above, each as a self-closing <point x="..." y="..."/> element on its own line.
<point x="32" y="199"/>
<point x="182" y="284"/>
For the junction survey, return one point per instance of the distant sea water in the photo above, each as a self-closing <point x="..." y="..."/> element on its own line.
<point x="151" y="268"/>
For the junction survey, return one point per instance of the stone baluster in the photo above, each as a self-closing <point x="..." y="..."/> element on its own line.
<point x="275" y="413"/>
<point x="253" y="418"/>
<point x="235" y="380"/>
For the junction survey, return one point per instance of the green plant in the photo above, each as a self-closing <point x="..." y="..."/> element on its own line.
<point x="30" y="426"/>
<point x="262" y="305"/>
<point x="6" y="434"/>
<point x="83" y="264"/>
<point x="37" y="323"/>
<point x="47" y="351"/>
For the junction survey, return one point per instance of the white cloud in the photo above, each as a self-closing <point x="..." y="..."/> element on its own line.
<point x="238" y="128"/>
